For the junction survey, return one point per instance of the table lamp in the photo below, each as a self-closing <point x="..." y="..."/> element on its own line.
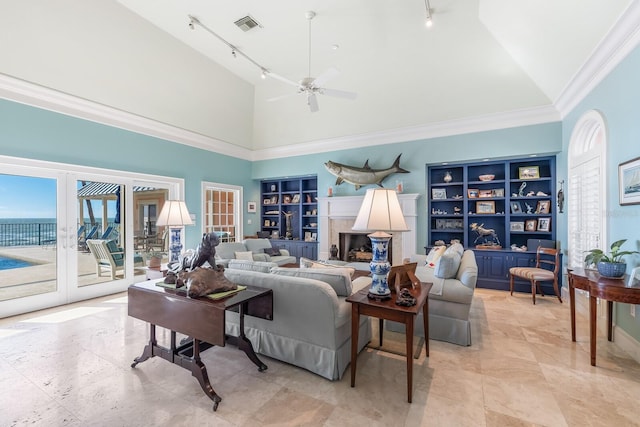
<point x="380" y="212"/>
<point x="174" y="214"/>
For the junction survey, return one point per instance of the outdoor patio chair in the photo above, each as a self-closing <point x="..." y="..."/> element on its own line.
<point x="82" y="239"/>
<point x="109" y="257"/>
<point x="107" y="233"/>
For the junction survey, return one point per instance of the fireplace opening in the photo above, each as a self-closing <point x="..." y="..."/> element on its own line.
<point x="356" y="247"/>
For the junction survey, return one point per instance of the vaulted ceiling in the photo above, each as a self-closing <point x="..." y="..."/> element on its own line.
<point x="480" y="60"/>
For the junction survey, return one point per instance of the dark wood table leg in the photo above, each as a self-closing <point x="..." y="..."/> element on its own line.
<point x="592" y="328"/>
<point x="355" y="320"/>
<point x="245" y="345"/>
<point x="425" y="317"/>
<point x="380" y="329"/>
<point x="572" y="307"/>
<point x="148" y="349"/>
<point x="199" y="371"/>
<point x="610" y="320"/>
<point x="408" y="321"/>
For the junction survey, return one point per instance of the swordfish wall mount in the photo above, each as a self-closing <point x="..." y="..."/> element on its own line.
<point x="360" y="176"/>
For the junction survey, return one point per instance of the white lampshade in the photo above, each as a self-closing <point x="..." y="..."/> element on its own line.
<point x="174" y="213"/>
<point x="380" y="211"/>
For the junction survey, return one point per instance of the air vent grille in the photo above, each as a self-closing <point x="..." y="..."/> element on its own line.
<point x="247" y="23"/>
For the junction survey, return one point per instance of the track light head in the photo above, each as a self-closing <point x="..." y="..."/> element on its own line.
<point x="192" y="21"/>
<point x="233" y="52"/>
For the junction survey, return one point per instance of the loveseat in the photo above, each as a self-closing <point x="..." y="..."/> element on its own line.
<point x="311" y="326"/>
<point x="260" y="250"/>
<point x="449" y="299"/>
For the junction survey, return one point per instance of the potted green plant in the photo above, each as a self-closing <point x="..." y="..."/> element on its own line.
<point x="611" y="264"/>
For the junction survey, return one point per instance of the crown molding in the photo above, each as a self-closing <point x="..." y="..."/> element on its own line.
<point x="487" y="122"/>
<point x="616" y="45"/>
<point x="23" y="92"/>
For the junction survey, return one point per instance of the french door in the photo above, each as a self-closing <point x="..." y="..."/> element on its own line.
<point x="53" y="217"/>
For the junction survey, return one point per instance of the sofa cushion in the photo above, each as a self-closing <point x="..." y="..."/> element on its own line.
<point x="257" y="246"/>
<point x="227" y="250"/>
<point x="245" y="255"/>
<point x="262" y="267"/>
<point x="455" y="247"/>
<point x="307" y="263"/>
<point x="338" y="278"/>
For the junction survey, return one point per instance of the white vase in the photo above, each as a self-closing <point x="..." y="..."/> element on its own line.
<point x="447" y="177"/>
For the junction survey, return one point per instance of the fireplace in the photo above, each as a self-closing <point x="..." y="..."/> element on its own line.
<point x="337" y="215"/>
<point x="356" y="247"/>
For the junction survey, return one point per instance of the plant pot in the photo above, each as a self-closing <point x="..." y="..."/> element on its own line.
<point x="611" y="269"/>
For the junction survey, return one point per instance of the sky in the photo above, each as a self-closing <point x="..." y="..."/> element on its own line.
<point x="31" y="197"/>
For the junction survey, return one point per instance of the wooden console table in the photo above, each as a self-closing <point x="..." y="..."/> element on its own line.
<point x="201" y="319"/>
<point x="618" y="290"/>
<point x="362" y="305"/>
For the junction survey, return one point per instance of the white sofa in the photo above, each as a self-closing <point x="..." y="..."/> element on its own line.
<point x="449" y="301"/>
<point x="261" y="250"/>
<point x="311" y="326"/>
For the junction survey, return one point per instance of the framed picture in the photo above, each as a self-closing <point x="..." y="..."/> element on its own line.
<point x="274" y="200"/>
<point x="438" y="193"/>
<point x="544" y="224"/>
<point x="497" y="192"/>
<point x="307" y="236"/>
<point x="517" y="226"/>
<point x="530" y="225"/>
<point x="529" y="172"/>
<point x="485" y="193"/>
<point x="251" y="207"/>
<point x="286" y="198"/>
<point x="486" y="207"/>
<point x="543" y="206"/>
<point x="295" y="198"/>
<point x="516" y="208"/>
<point x="472" y="193"/>
<point x="629" y="182"/>
<point x="314" y="237"/>
<point x="267" y="223"/>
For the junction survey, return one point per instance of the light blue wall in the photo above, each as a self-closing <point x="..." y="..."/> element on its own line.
<point x="618" y="99"/>
<point x="34" y="133"/>
<point x="515" y="142"/>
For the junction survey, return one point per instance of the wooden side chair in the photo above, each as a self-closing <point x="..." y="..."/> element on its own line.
<point x="544" y="257"/>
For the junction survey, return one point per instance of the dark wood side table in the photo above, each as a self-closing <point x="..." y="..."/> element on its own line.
<point x="201" y="319"/>
<point x="362" y="305"/>
<point x="611" y="290"/>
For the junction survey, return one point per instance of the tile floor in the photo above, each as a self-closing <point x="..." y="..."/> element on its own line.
<point x="70" y="366"/>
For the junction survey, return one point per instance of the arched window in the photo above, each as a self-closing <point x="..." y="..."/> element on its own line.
<point x="586" y="198"/>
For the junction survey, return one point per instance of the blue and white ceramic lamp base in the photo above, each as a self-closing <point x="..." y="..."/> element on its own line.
<point x="379" y="266"/>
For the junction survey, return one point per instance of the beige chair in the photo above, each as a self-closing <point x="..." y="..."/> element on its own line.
<point x="109" y="257"/>
<point x="544" y="256"/>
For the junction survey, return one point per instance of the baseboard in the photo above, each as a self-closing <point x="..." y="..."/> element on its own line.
<point x="621" y="338"/>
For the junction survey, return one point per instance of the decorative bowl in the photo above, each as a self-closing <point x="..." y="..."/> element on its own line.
<point x="486" y="177"/>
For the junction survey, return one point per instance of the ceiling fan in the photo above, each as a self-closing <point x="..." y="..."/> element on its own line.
<point x="313" y="86"/>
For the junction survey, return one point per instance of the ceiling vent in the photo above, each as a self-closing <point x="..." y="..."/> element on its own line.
<point x="247" y="23"/>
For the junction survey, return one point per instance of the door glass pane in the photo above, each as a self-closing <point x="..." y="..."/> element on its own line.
<point x="28" y="224"/>
<point x="221" y="212"/>
<point x="101" y="239"/>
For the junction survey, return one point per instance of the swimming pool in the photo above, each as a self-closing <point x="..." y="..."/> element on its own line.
<point x="8" y="263"/>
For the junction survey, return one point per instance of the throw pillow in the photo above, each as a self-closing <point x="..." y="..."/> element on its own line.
<point x="259" y="266"/>
<point x="272" y="251"/>
<point x="447" y="265"/>
<point x="434" y="255"/>
<point x="248" y="255"/>
<point x="338" y="278"/>
<point x="455" y="247"/>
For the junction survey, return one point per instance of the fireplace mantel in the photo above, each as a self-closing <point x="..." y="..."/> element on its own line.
<point x="344" y="209"/>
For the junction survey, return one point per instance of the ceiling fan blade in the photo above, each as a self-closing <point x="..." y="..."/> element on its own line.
<point x="325" y="77"/>
<point x="312" y="101"/>
<point x="278" y="98"/>
<point x="283" y="79"/>
<point x="339" y="93"/>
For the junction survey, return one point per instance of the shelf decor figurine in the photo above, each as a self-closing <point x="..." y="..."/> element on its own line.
<point x="487" y="237"/>
<point x="447" y="177"/>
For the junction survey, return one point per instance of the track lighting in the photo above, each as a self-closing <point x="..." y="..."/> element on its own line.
<point x="233" y="52"/>
<point x="429" y="20"/>
<point x="264" y="74"/>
